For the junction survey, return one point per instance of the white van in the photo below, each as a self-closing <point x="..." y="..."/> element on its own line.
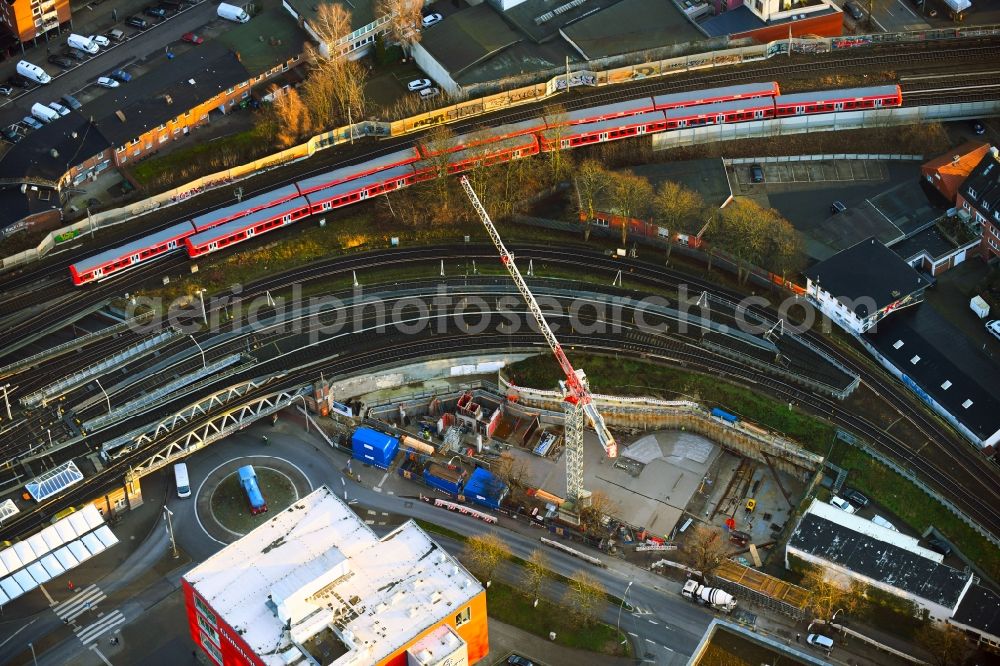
<point x="820" y="641"/>
<point x="882" y="522"/>
<point x="233" y="13"/>
<point x="181" y="477"/>
<point x="85" y="44"/>
<point x="34" y="72"/>
<point x="44" y="113"/>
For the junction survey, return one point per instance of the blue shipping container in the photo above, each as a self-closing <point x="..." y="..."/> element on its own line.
<point x="373" y="447"/>
<point x="447" y="485"/>
<point x="248" y="481"/>
<point x="725" y="416"/>
<point x="485" y="489"/>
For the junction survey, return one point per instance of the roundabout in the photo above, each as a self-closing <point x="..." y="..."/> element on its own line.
<point x="221" y="505"/>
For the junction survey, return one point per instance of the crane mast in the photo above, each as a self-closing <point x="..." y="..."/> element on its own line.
<point x="577" y="394"/>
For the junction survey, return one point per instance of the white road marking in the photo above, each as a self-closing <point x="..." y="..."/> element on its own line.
<point x="52" y="602"/>
<point x="101" y="655"/>
<point x="633" y="634"/>
<point x="102" y="626"/>
<point x="651" y="622"/>
<point x="377" y="489"/>
<point x="79" y="604"/>
<point x="11" y="637"/>
<point x="384" y="477"/>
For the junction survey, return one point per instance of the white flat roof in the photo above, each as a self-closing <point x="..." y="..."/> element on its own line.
<point x="325" y="569"/>
<point x="870" y="529"/>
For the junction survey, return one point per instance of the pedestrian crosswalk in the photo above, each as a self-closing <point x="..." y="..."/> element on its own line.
<point x="103" y="625"/>
<point x="85" y="600"/>
<point x="80" y="603"/>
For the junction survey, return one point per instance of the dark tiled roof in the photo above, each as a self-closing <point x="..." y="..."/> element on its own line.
<point x="930" y="240"/>
<point x="980" y="609"/>
<point x="72" y="137"/>
<point x="143" y="101"/>
<point x="867" y="270"/>
<point x="270" y="38"/>
<point x="879" y="561"/>
<point x="982" y="187"/>
<point x="631" y="25"/>
<point x="933" y="354"/>
<point x="468" y="38"/>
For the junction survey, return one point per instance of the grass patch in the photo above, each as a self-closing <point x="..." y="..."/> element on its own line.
<point x="207" y="157"/>
<point x="229" y="503"/>
<point x="627" y="377"/>
<point x="915" y="507"/>
<point x="443" y="531"/>
<point x="508" y="606"/>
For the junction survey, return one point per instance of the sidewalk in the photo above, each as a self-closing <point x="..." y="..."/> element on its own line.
<point x="505" y="639"/>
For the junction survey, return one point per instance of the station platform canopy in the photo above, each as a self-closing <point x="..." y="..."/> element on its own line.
<point x="54" y="481"/>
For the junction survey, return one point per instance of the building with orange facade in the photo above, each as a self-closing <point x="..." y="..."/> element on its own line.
<point x="30" y="19"/>
<point x="947" y="172"/>
<point x="315" y="585"/>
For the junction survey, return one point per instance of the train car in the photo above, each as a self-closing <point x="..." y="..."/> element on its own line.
<point x="118" y="259"/>
<point x="248" y="482"/>
<point x="829" y="101"/>
<point x="720" y="113"/>
<point x="484" y="136"/>
<point x="243" y="228"/>
<point x="713" y="95"/>
<point x="360" y="189"/>
<point x="607" y="130"/>
<point x="245" y="207"/>
<point x="344" y="174"/>
<point x="724" y="415"/>
<point x="595" y="114"/>
<point x="502" y="151"/>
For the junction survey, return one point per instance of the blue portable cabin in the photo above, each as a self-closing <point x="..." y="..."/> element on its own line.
<point x="248" y="481"/>
<point x="724" y="415"/>
<point x="373" y="447"/>
<point x="485" y="489"/>
<point x="444" y="479"/>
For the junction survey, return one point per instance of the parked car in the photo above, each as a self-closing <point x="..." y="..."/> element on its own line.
<point x="72" y="102"/>
<point x="11" y="134"/>
<point x="62" y="61"/>
<point x="855" y="11"/>
<point x="106" y="82"/>
<point x="59" y="108"/>
<point x="155" y="12"/>
<point x="882" y="522"/>
<point x="838" y="207"/>
<point x="20" y="82"/>
<point x="101" y="41"/>
<point x="121" y="75"/>
<point x="854" y="497"/>
<point x="116" y="35"/>
<point x="418" y="84"/>
<point x="842" y="504"/>
<point x="31" y="122"/>
<point x="993" y="328"/>
<point x="939" y="546"/>
<point x="191" y="38"/>
<point x="74" y="54"/>
<point x="756" y="173"/>
<point x="6" y="90"/>
<point x="978" y="127"/>
<point x="518" y="660"/>
<point x="820" y="641"/>
<point x="427" y="93"/>
<point x="431" y="19"/>
<point x="137" y="22"/>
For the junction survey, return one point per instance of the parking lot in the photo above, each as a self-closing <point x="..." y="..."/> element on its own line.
<point x="811" y="172"/>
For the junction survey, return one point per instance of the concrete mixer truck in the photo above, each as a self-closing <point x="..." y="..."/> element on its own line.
<point x="710" y="596"/>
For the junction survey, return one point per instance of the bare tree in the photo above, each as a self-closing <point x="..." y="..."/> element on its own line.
<point x="704" y="549"/>
<point x="677" y="207"/>
<point x="291" y="116"/>
<point x="827" y="597"/>
<point x="591" y="183"/>
<point x="783" y="248"/>
<point x="584" y="597"/>
<point x="334" y="90"/>
<point x="331" y="22"/>
<point x="947" y="644"/>
<point x="741" y="229"/>
<point x="601" y="506"/>
<point x="436" y="145"/>
<point x="536" y="572"/>
<point x="631" y="196"/>
<point x="404" y="23"/>
<point x="485" y="553"/>
<point x="560" y="160"/>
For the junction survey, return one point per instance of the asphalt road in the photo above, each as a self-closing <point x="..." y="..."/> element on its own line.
<point x="896" y="15"/>
<point x="142" y="44"/>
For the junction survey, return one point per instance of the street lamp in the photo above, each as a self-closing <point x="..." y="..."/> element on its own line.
<point x="622" y="605"/>
<point x="838" y="611"/>
<point x="203" y="363"/>
<point x="204" y="312"/>
<point x="167" y="515"/>
<point x="34" y="659"/>
<point x="98" y="381"/>
<point x="305" y="410"/>
<point x="7" y="402"/>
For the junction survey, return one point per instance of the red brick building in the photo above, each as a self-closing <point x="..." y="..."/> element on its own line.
<point x="979" y="199"/>
<point x="947" y="172"/>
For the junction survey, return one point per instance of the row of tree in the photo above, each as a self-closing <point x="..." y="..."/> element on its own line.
<point x="485" y="553"/>
<point x="752" y="234"/>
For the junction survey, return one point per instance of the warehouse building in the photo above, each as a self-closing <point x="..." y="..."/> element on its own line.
<point x="315" y="585"/>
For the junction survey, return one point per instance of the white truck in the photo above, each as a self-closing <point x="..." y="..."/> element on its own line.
<point x="710" y="596"/>
<point x="979" y="305"/>
<point x="85" y="44"/>
<point x="32" y="71"/>
<point x="233" y="13"/>
<point x="44" y="113"/>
